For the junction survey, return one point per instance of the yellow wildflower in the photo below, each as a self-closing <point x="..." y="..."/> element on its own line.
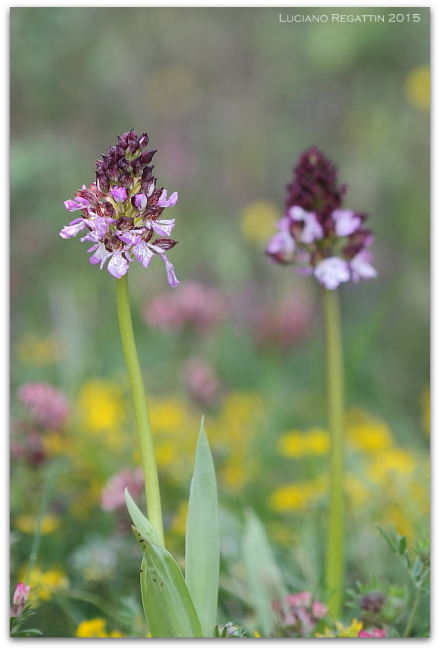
<point x="296" y="496"/>
<point x="368" y="434"/>
<point x="390" y="464"/>
<point x="27" y="524"/>
<point x="100" y="405"/>
<point x="296" y="444"/>
<point x="32" y="350"/>
<point x="351" y="631"/>
<point x="417" y="87"/>
<point x="258" y="220"/>
<point x="44" y="583"/>
<point x="94" y="628"/>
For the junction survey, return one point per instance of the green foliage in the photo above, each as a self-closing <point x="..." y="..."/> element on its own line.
<point x="202" y="540"/>
<point x="263" y="576"/>
<point x="168" y="607"/>
<point x="16" y="624"/>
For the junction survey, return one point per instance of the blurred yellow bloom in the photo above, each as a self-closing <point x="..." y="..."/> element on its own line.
<point x="295" y="444"/>
<point x="27" y="524"/>
<point x="55" y="444"/>
<point x="389" y="464"/>
<point x="32" y="350"/>
<point x="296" y="496"/>
<point x="393" y="514"/>
<point x="367" y="434"/>
<point x="258" y="221"/>
<point x="417" y="87"/>
<point x="100" y="405"/>
<point x="44" y="583"/>
<point x="167" y="414"/>
<point x="351" y="631"/>
<point x="425" y="403"/>
<point x="94" y="628"/>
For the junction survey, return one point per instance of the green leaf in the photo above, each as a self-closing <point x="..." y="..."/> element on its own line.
<point x="140" y="521"/>
<point x="263" y="575"/>
<point x="386" y="538"/>
<point x="402" y="545"/>
<point x="202" y="543"/>
<point x="168" y="607"/>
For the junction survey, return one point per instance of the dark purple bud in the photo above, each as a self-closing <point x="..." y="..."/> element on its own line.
<point x="126" y="180"/>
<point x="113" y="171"/>
<point x="103" y="183"/>
<point x="152" y="213"/>
<point x="147" y="172"/>
<point x="124" y="223"/>
<point x="100" y="166"/>
<point x="137" y="166"/>
<point x="113" y="152"/>
<point x="112" y="243"/>
<point x="105" y="209"/>
<point x="143" y="140"/>
<point x="164" y="243"/>
<point x="124" y="165"/>
<point x="133" y="145"/>
<point x="123" y="141"/>
<point x="147" y="156"/>
<point x="372" y="602"/>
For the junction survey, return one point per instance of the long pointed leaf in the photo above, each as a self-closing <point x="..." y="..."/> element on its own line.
<point x="140" y="520"/>
<point x="168" y="607"/>
<point x="202" y="542"/>
<point x="263" y="575"/>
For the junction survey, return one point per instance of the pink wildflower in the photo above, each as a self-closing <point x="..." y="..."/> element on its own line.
<point x="112" y="494"/>
<point x="46" y="404"/>
<point x="19" y="599"/>
<point x="122" y="210"/>
<point x="377" y="633"/>
<point x="301" y="615"/>
<point x="315" y="234"/>
<point x="195" y="305"/>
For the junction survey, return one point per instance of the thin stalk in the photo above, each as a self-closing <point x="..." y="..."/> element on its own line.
<point x="37" y="535"/>
<point x="334" y="571"/>
<point x="151" y="481"/>
<point x="412" y="615"/>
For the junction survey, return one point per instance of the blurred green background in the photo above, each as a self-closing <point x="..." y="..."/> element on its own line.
<point x="229" y="97"/>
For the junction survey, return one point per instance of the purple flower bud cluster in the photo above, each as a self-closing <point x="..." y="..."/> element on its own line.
<point x="122" y="210"/>
<point x="315" y="233"/>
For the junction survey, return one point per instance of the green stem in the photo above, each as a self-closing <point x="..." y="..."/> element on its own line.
<point x="148" y="461"/>
<point x="413" y="613"/>
<point x="334" y="572"/>
<point x="37" y="535"/>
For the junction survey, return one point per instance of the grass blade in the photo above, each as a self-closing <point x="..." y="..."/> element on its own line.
<point x="202" y="543"/>
<point x="263" y="575"/>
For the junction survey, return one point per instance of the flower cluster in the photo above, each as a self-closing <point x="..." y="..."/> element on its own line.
<point x="46" y="410"/>
<point x="122" y="210"/>
<point x="301" y="616"/>
<point x="316" y="234"/>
